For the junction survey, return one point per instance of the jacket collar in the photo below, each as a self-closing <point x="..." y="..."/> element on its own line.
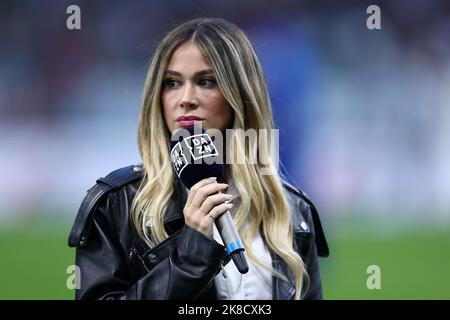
<point x="281" y="290"/>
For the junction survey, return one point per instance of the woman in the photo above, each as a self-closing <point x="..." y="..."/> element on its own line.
<point x="140" y="234"/>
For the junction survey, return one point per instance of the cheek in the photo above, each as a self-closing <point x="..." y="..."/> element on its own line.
<point x="167" y="105"/>
<point x="167" y="111"/>
<point x="221" y="111"/>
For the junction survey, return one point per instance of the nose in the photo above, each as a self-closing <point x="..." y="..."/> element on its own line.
<point x="189" y="97"/>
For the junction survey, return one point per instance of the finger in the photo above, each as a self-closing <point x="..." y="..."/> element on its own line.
<point x="202" y="193"/>
<point x="214" y="200"/>
<point x="219" y="210"/>
<point x="197" y="186"/>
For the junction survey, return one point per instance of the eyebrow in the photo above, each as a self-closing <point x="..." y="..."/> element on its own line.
<point x="199" y="73"/>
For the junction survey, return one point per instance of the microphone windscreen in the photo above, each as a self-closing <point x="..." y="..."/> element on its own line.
<point x="194" y="156"/>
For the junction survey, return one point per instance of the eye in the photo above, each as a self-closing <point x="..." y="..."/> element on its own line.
<point x="207" y="83"/>
<point x="171" y="83"/>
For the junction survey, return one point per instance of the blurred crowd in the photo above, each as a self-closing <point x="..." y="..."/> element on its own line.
<point x="364" y="115"/>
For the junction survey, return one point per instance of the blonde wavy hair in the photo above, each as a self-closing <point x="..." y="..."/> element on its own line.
<point x="241" y="81"/>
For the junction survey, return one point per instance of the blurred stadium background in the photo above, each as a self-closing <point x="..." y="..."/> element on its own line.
<point x="364" y="118"/>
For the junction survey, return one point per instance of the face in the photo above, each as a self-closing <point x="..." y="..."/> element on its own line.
<point x="190" y="92"/>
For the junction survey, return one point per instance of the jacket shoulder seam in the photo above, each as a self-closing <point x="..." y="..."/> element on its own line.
<point x="112" y="182"/>
<point x="123" y="176"/>
<point x="322" y="245"/>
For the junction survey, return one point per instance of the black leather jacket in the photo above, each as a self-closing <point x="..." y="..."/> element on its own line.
<point x="115" y="263"/>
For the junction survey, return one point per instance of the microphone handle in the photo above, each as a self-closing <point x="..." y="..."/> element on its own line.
<point x="230" y="237"/>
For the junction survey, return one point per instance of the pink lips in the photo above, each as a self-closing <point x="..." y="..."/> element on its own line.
<point x="185" y="121"/>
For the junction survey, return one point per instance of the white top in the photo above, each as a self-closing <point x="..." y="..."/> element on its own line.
<point x="256" y="284"/>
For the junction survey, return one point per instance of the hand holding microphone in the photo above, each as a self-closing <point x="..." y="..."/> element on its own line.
<point x="205" y="204"/>
<point x="196" y="162"/>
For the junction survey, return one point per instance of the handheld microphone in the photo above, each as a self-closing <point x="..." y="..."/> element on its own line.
<point x="195" y="157"/>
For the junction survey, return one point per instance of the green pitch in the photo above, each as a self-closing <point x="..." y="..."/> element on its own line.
<point x="412" y="264"/>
